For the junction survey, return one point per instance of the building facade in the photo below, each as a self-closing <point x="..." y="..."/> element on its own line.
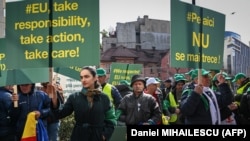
<point x="145" y="41"/>
<point x="149" y="37"/>
<point x="236" y="54"/>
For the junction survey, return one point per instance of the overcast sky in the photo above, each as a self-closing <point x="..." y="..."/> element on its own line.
<point x="113" y="11"/>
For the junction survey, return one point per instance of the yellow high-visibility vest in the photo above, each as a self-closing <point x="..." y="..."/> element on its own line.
<point x="173" y="103"/>
<point x="241" y="91"/>
<point x="107" y="90"/>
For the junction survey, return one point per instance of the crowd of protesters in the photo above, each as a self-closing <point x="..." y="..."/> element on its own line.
<point x="196" y="97"/>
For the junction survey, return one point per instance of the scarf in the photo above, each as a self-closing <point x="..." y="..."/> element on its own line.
<point x="213" y="105"/>
<point x="90" y="93"/>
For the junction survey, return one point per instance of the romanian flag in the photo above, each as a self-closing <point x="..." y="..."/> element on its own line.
<point x="29" y="133"/>
<point x="34" y="130"/>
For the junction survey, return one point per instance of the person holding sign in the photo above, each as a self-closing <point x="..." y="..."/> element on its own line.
<point x="199" y="103"/>
<point x="29" y="100"/>
<point x="53" y="123"/>
<point x="93" y="112"/>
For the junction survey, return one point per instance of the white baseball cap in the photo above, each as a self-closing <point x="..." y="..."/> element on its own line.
<point x="151" y="80"/>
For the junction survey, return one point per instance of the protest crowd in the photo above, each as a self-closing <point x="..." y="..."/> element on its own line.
<point x="184" y="99"/>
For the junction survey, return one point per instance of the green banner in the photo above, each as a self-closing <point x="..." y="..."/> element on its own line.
<point x="72" y="72"/>
<point x="192" y="28"/>
<point x="19" y="76"/>
<point x="2" y="54"/>
<point x="24" y="76"/>
<point x="122" y="71"/>
<point x="52" y="33"/>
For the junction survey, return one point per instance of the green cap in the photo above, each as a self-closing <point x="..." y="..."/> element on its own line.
<point x="157" y="79"/>
<point x="101" y="72"/>
<point x="238" y="76"/>
<point x="216" y="71"/>
<point x="125" y="82"/>
<point x="179" y="77"/>
<point x="225" y="75"/>
<point x="190" y="72"/>
<point x="195" y="73"/>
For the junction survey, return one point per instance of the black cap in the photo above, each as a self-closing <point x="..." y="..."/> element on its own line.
<point x="168" y="80"/>
<point x="137" y="78"/>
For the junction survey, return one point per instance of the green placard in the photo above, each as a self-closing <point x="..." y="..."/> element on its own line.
<point x="19" y="76"/>
<point x="24" y="76"/>
<point x="66" y="34"/>
<point x="72" y="72"/>
<point x="193" y="27"/>
<point x="2" y="54"/>
<point x="122" y="71"/>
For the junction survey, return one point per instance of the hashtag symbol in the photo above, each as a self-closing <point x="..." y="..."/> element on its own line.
<point x="28" y="9"/>
<point x="189" y="16"/>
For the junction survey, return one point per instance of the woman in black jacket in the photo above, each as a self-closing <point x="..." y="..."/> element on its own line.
<point x="94" y="116"/>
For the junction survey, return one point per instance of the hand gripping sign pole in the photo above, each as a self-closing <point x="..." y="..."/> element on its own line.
<point x="15" y="93"/>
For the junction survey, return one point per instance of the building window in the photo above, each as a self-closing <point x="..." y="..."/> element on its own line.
<point x="151" y="70"/>
<point x="229" y="64"/>
<point x="107" y="68"/>
<point x="113" y="45"/>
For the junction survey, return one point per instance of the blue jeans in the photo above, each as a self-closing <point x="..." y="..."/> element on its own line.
<point x="53" y="129"/>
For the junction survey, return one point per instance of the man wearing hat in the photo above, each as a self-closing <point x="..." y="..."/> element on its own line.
<point x="173" y="99"/>
<point x="153" y="89"/>
<point x="112" y="92"/>
<point x="138" y="108"/>
<point x="167" y="88"/>
<point x="199" y="103"/>
<point x="190" y="82"/>
<point x="215" y="81"/>
<point x="189" y="74"/>
<point x="226" y="98"/>
<point x="243" y="83"/>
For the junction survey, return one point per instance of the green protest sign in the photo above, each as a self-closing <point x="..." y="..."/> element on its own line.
<point x="64" y="32"/>
<point x="192" y="28"/>
<point x="72" y="72"/>
<point x="122" y="71"/>
<point x="19" y="76"/>
<point x="2" y="54"/>
<point x="24" y="76"/>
